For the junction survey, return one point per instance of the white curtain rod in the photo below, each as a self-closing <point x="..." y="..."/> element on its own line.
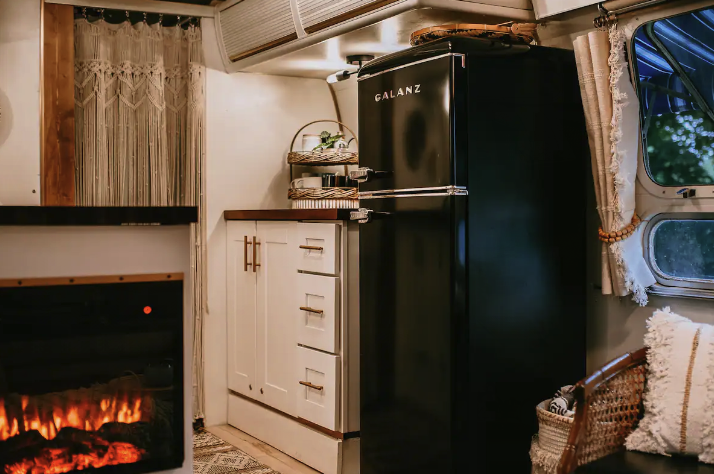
<point x="147" y="6"/>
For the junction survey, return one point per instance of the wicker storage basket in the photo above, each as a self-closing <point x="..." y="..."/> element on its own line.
<point x="323" y="157"/>
<point x="522" y="33"/>
<point x="324" y="198"/>
<point x="548" y="445"/>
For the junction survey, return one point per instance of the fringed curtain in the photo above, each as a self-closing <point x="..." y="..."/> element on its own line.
<point x="140" y="132"/>
<point x="612" y="118"/>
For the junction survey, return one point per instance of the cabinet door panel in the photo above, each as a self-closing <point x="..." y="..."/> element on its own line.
<point x="241" y="307"/>
<point x="318" y="393"/>
<point x="318" y="248"/>
<point x="276" y="342"/>
<point x="318" y="312"/>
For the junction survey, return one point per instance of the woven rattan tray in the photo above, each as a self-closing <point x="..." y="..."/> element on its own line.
<point x="324" y="157"/>
<point x="522" y="33"/>
<point x="324" y="198"/>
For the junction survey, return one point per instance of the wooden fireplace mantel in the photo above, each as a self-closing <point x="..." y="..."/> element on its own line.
<point x="96" y="216"/>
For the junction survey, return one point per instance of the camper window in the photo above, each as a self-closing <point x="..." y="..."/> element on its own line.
<point x="680" y="248"/>
<point x="674" y="64"/>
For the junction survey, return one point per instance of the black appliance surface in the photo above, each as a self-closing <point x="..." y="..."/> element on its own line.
<point x="472" y="307"/>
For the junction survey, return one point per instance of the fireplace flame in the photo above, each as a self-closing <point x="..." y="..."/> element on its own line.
<point x="59" y="460"/>
<point x="84" y="415"/>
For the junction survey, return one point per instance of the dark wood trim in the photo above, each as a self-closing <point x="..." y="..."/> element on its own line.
<point x="321" y="429"/>
<point x="302" y="421"/>
<point x="96" y="216"/>
<point x="348" y="15"/>
<point x="57" y="148"/>
<point x="89" y="280"/>
<point x="288" y="215"/>
<point x="264" y="47"/>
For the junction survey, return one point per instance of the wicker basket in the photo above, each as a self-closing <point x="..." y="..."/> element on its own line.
<point x="324" y="198"/>
<point x="548" y="445"/>
<point x="324" y="157"/>
<point x="522" y="33"/>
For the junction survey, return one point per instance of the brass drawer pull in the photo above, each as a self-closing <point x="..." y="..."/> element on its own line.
<point x="311" y="247"/>
<point x="311" y="310"/>
<point x="245" y="253"/>
<point x="255" y="261"/>
<point x="308" y="384"/>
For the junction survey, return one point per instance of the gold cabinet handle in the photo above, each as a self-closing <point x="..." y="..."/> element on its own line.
<point x="255" y="248"/>
<point x="311" y="310"/>
<point x="311" y="247"/>
<point x="308" y="384"/>
<point x="245" y="253"/>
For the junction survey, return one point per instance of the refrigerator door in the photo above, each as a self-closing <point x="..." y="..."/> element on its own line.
<point x="406" y="114"/>
<point x="412" y="301"/>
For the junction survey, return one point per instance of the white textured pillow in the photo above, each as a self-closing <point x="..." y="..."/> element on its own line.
<point x="679" y="400"/>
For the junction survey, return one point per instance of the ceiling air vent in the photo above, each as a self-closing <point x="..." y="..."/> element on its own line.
<point x="316" y="15"/>
<point x="252" y="26"/>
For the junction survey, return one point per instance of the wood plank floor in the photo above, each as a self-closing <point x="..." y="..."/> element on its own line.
<point x="260" y="451"/>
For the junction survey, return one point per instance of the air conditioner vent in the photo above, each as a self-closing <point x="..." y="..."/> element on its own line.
<point x="252" y="26"/>
<point x="316" y="15"/>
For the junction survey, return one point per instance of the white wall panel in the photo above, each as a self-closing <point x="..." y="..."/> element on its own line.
<point x="20" y="102"/>
<point x="251" y="119"/>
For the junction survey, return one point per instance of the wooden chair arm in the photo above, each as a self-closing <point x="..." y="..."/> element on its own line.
<point x="608" y="407"/>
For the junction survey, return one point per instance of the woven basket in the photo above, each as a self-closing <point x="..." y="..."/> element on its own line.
<point x="548" y="445"/>
<point x="324" y="198"/>
<point x="511" y="32"/>
<point x="323" y="157"/>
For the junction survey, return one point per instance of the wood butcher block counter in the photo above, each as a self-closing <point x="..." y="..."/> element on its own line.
<point x="288" y="215"/>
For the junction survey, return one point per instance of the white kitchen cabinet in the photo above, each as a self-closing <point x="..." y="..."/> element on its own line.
<point x="293" y="336"/>
<point x="319" y="384"/>
<point x="241" y="292"/>
<point x="276" y="346"/>
<point x="318" y="312"/>
<point x="261" y="302"/>
<point x="546" y="8"/>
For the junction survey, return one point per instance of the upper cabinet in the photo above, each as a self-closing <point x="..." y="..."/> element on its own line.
<point x="546" y="8"/>
<point x="249" y="27"/>
<point x="253" y="32"/>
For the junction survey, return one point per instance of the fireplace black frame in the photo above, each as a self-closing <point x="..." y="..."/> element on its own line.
<point x="174" y="280"/>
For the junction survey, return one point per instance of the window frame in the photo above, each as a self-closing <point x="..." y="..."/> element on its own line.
<point x="703" y="191"/>
<point x="669" y="285"/>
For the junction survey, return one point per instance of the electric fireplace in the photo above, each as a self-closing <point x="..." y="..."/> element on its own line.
<point x="91" y="375"/>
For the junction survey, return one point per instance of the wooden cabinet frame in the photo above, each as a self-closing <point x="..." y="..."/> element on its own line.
<point x="57" y="105"/>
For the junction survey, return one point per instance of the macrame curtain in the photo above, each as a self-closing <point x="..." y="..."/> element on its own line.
<point x="612" y="119"/>
<point x="140" y="132"/>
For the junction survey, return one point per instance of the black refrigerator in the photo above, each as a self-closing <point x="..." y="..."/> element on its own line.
<point x="473" y="184"/>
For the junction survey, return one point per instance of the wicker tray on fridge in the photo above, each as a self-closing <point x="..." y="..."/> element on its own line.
<point x="323" y="157"/>
<point x="522" y="33"/>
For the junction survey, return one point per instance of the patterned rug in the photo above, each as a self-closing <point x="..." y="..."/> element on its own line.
<point x="212" y="455"/>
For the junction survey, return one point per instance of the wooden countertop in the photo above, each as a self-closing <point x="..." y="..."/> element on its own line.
<point x="288" y="215"/>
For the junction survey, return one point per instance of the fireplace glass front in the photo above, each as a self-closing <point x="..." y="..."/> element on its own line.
<point x="91" y="377"/>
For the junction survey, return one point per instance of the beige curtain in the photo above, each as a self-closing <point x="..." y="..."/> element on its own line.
<point x="612" y="119"/>
<point x="140" y="132"/>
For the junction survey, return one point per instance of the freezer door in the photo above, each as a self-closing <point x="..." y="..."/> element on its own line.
<point x="411" y="303"/>
<point x="405" y="125"/>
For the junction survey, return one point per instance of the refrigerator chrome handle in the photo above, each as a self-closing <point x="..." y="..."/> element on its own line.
<point x="362" y="215"/>
<point x="362" y="175"/>
<point x="365" y="216"/>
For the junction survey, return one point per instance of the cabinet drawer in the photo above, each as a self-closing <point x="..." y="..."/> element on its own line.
<point x="319" y="310"/>
<point x="318" y="245"/>
<point x="318" y="393"/>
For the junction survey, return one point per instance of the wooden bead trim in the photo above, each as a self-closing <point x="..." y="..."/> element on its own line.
<point x="687" y="391"/>
<point x="618" y="235"/>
